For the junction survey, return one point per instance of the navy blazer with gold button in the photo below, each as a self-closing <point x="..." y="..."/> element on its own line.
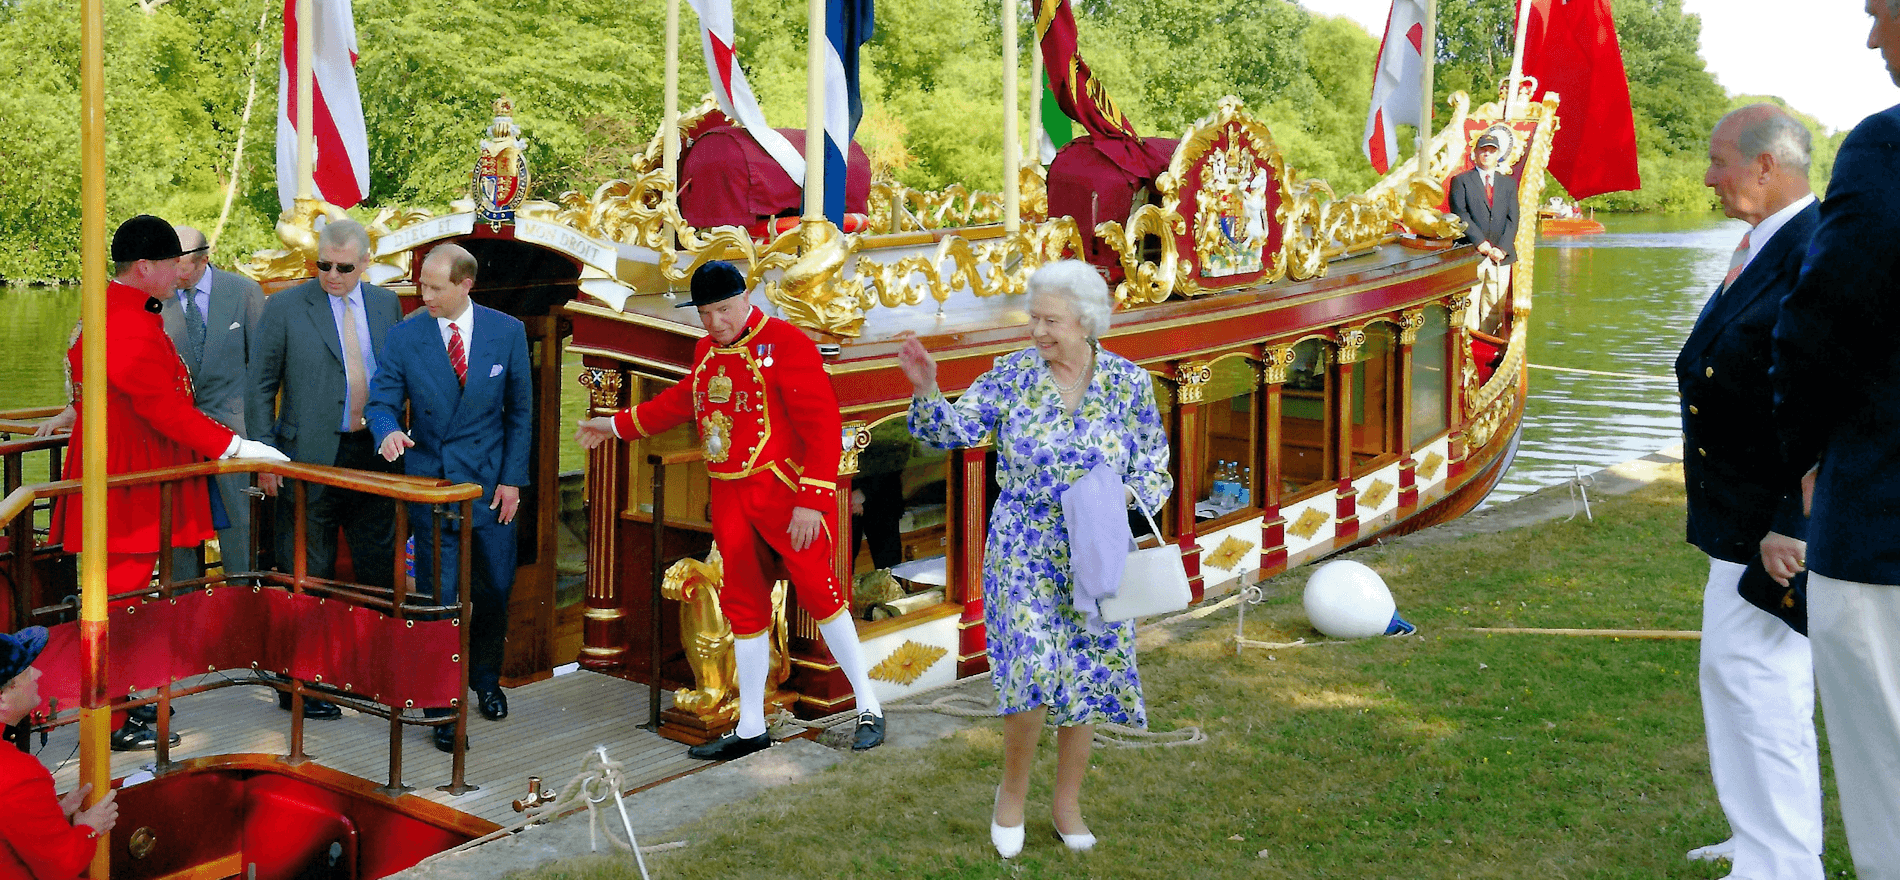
<point x="1738" y="488"/>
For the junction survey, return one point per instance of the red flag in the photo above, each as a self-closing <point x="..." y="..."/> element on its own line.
<point x="1077" y="91"/>
<point x="1570" y="47"/>
<point x="1397" y="79"/>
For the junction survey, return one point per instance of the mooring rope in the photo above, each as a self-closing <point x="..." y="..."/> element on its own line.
<point x="1583" y="372"/>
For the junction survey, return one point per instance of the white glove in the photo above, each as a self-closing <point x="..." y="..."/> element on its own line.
<point x="253" y="449"/>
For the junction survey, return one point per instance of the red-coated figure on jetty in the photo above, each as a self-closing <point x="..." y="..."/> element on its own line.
<point x="768" y="420"/>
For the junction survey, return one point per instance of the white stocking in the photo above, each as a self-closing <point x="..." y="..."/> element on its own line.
<point x="752" y="659"/>
<point x="841" y="636"/>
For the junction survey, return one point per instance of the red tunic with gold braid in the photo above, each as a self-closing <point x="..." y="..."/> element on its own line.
<point x="768" y="421"/>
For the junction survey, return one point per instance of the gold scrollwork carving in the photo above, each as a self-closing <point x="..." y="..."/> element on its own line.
<point x="1456" y="305"/>
<point x="860" y="435"/>
<point x="1145" y="281"/>
<point x="1350" y="341"/>
<point x="1190" y="379"/>
<point x="603" y="388"/>
<point x="707" y="638"/>
<point x="1274" y="363"/>
<point x="1410" y="322"/>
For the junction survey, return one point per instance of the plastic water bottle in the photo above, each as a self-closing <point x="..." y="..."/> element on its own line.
<point x="1246" y="486"/>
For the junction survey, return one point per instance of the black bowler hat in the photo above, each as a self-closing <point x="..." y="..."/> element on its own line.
<point x="19" y="650"/>
<point x="714" y="282"/>
<point x="145" y="237"/>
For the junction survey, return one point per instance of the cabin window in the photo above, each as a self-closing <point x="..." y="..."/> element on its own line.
<point x="1430" y="382"/>
<point x="1229" y="440"/>
<point x="1305" y="406"/>
<point x="1375" y="400"/>
<point x="900" y="520"/>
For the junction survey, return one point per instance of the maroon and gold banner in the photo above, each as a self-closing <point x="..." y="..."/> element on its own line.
<point x="1077" y="91"/>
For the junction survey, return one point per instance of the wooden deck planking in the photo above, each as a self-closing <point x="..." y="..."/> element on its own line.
<point x="552" y="724"/>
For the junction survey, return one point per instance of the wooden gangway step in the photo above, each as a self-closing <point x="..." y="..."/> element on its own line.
<point x="551" y="725"/>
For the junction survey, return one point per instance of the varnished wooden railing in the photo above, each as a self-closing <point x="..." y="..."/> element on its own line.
<point x="23" y="502"/>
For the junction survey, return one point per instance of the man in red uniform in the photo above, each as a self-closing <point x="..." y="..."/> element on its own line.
<point x="44" y="836"/>
<point x="769" y="423"/>
<point x="151" y="422"/>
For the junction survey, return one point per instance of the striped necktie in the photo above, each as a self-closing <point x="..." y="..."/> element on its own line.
<point x="194" y="328"/>
<point x="458" y="357"/>
<point x="1737" y="261"/>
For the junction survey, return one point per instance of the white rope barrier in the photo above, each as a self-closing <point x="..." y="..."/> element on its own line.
<point x="1583" y="372"/>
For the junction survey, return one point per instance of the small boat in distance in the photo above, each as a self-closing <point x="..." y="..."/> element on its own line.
<point x="1564" y="218"/>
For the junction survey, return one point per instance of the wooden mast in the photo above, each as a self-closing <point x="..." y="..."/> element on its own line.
<point x="306" y="86"/>
<point x="95" y="714"/>
<point x="1012" y="142"/>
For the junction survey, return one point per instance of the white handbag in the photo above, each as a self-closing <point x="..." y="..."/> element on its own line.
<point x="1153" y="582"/>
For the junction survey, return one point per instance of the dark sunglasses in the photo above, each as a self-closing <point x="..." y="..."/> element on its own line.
<point x="341" y="268"/>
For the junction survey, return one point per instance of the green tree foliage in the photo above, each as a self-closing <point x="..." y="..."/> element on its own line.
<point x="586" y="80"/>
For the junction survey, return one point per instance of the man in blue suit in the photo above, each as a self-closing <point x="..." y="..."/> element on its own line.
<point x="463" y="370"/>
<point x="1757" y="676"/>
<point x="1837" y="408"/>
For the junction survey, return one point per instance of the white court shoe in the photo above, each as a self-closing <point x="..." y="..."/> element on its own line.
<point x="1008" y="841"/>
<point x="1077" y="842"/>
<point x="1714" y="852"/>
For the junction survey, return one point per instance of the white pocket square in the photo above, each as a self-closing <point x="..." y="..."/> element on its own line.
<point x="494" y="371"/>
<point x="234" y="326"/>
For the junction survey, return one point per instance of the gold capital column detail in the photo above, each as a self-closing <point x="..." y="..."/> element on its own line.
<point x="603" y="633"/>
<point x="1190" y="389"/>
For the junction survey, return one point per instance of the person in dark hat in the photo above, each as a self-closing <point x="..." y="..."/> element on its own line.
<point x="151" y="423"/>
<point x="768" y="420"/>
<point x="1486" y="199"/>
<point x="44" y="836"/>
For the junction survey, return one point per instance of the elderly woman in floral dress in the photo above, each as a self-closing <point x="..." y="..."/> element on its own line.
<point x="1057" y="410"/>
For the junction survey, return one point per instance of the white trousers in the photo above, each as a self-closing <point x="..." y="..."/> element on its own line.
<point x="1856" y="631"/>
<point x="1758" y="708"/>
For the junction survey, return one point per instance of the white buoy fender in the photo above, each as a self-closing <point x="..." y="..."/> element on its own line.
<point x="1348" y="600"/>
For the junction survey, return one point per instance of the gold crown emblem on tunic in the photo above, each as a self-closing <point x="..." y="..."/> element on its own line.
<point x="719" y="387"/>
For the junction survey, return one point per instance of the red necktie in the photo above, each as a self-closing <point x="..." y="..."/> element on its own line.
<point x="1736" y="261"/>
<point x="457" y="356"/>
<point x="1487" y="189"/>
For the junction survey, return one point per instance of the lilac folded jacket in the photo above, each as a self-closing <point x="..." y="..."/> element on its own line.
<point x="1096" y="512"/>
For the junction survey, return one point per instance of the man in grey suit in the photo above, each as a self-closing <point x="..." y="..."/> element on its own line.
<point x="212" y="321"/>
<point x="317" y="347"/>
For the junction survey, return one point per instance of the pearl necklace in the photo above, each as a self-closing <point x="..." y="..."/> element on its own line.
<point x="1072" y="387"/>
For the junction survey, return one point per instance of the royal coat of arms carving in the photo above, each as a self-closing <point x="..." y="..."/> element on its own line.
<point x="501" y="168"/>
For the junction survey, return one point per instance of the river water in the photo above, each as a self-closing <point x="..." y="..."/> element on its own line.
<point x="1619" y="302"/>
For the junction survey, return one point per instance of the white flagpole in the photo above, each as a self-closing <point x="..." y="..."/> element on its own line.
<point x="1517" y="59"/>
<point x="1429" y="55"/>
<point x="1012" y="142"/>
<point x="670" y="125"/>
<point x="1035" y="97"/>
<point x="815" y="113"/>
<point x="306" y="85"/>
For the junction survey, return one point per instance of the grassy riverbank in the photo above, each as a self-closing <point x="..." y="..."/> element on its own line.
<point x="1451" y="754"/>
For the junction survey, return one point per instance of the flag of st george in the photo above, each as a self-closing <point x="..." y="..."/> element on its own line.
<point x="1570" y="46"/>
<point x="342" y="143"/>
<point x="1396" y="82"/>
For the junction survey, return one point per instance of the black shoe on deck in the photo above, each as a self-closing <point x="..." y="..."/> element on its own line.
<point x="731" y="746"/>
<point x="869" y="733"/>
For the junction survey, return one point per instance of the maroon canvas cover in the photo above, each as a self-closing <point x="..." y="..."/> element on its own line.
<point x="367" y="652"/>
<point x="727" y="179"/>
<point x="1094" y="180"/>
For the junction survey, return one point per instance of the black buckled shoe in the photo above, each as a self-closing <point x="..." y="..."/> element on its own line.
<point x="493" y="705"/>
<point x="136" y="737"/>
<point x="147" y="714"/>
<point x="869" y="733"/>
<point x="313" y="709"/>
<point x="445" y="738"/>
<point x="731" y="746"/>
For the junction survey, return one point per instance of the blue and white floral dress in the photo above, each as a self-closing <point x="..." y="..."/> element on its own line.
<point x="1040" y="650"/>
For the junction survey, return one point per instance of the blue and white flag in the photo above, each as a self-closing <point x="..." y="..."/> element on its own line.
<point x="847" y="26"/>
